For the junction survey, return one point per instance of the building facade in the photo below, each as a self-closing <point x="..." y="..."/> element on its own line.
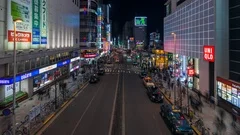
<point x="47" y="44"/>
<point x="189" y="27"/>
<point x="88" y="24"/>
<point x="128" y="33"/>
<point x="140" y="32"/>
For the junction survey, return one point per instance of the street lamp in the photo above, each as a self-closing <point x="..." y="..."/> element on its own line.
<point x="14" y="74"/>
<point x="174" y="90"/>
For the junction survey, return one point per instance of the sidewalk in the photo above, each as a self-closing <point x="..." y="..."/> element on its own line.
<point x="208" y="113"/>
<point x="26" y="105"/>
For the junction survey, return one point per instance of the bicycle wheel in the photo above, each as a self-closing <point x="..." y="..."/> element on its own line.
<point x="8" y="132"/>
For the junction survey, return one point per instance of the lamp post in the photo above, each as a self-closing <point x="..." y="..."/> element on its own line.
<point x="174" y="89"/>
<point x="14" y="75"/>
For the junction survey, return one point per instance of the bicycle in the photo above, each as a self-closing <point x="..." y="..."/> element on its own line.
<point x="205" y="131"/>
<point x="199" y="123"/>
<point x="10" y="130"/>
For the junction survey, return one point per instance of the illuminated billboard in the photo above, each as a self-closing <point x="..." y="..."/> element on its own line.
<point x="32" y="31"/>
<point x="140" y="21"/>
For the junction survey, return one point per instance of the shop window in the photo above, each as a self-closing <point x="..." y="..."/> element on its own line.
<point x="10" y="68"/>
<point x="20" y="67"/>
<point x="38" y="62"/>
<point x="58" y="57"/>
<point x="42" y="61"/>
<point x="33" y="63"/>
<point x="47" y="60"/>
<point x="27" y="65"/>
<point x="52" y="59"/>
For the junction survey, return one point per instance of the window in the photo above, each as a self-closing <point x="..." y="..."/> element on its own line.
<point x="52" y="59"/>
<point x="38" y="62"/>
<point x="10" y="68"/>
<point x="33" y="63"/>
<point x="42" y="61"/>
<point x="20" y="66"/>
<point x="27" y="65"/>
<point x="47" y="60"/>
<point x="168" y="8"/>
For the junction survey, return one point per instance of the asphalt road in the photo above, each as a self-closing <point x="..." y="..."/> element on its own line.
<point x="91" y="111"/>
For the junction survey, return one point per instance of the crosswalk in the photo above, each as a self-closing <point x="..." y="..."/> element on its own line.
<point x="108" y="71"/>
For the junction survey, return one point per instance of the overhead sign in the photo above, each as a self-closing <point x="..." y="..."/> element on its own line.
<point x="89" y="55"/>
<point x="209" y="53"/>
<point x="42" y="70"/>
<point x="140" y="21"/>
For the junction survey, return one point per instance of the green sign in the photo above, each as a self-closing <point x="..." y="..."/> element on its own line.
<point x="140" y="21"/>
<point x="43" y="23"/>
<point x="170" y="56"/>
<point x="35" y="24"/>
<point x="19" y="11"/>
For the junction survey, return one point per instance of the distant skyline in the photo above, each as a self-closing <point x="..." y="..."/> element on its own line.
<point x="126" y="10"/>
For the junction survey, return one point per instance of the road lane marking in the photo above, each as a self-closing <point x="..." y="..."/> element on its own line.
<point x="55" y="115"/>
<point x="123" y="108"/>
<point x="89" y="104"/>
<point x="113" y="108"/>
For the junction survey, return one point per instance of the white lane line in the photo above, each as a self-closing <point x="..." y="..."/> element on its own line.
<point x="113" y="109"/>
<point x="123" y="109"/>
<point x="60" y="112"/>
<point x="89" y="104"/>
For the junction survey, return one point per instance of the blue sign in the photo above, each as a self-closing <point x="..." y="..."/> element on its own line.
<point x="7" y="81"/>
<point x="36" y="36"/>
<point x="62" y="63"/>
<point x="6" y="112"/>
<point x="4" y="81"/>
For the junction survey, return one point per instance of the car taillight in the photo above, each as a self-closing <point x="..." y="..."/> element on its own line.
<point x="159" y="92"/>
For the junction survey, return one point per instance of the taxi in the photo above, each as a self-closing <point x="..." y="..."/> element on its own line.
<point x="147" y="82"/>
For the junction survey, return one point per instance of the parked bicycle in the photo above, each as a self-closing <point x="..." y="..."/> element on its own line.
<point x="199" y="124"/>
<point x="9" y="131"/>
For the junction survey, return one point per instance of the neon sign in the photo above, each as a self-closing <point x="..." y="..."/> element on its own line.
<point x="140" y="21"/>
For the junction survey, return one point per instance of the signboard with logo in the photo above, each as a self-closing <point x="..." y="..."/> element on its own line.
<point x="140" y="21"/>
<point x="209" y="53"/>
<point x="35" y="24"/>
<point x="229" y="91"/>
<point x="9" y="89"/>
<point x="19" y="9"/>
<point x="43" y="12"/>
<point x="190" y="72"/>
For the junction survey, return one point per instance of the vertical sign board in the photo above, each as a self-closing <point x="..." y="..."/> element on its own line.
<point x="209" y="53"/>
<point x="19" y="9"/>
<point x="43" y="23"/>
<point x="35" y="24"/>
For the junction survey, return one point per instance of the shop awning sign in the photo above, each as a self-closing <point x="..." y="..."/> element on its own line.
<point x="209" y="53"/>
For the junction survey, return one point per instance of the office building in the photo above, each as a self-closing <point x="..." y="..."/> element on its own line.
<point x="196" y="32"/>
<point x="47" y="45"/>
<point x="140" y="32"/>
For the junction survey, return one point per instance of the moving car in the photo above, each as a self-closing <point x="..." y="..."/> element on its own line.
<point x="175" y="120"/>
<point x="94" y="78"/>
<point x="147" y="82"/>
<point x="142" y="74"/>
<point x="154" y="94"/>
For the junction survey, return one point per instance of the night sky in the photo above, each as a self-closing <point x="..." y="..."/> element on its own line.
<point x="125" y="10"/>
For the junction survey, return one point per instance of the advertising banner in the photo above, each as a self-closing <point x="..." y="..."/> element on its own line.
<point x="35" y="24"/>
<point x="140" y="21"/>
<point x="19" y="9"/>
<point x="43" y="12"/>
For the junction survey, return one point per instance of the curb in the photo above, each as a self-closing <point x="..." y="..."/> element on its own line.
<point x="196" y="131"/>
<point x="50" y="117"/>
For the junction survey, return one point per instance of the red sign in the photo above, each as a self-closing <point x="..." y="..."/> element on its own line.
<point x="209" y="53"/>
<point x="190" y="72"/>
<point x="89" y="55"/>
<point x="20" y="36"/>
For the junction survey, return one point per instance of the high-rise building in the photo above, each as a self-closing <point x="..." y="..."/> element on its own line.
<point x="88" y="24"/>
<point x="127" y="32"/>
<point x="140" y="31"/>
<point x="196" y="32"/>
<point x="47" y="44"/>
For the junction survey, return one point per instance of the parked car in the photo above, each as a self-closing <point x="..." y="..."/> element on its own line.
<point x="94" y="78"/>
<point x="147" y="82"/>
<point x="154" y="94"/>
<point x="101" y="71"/>
<point x="142" y="74"/>
<point x="175" y="120"/>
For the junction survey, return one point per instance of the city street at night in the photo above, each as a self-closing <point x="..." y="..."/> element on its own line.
<point x="91" y="112"/>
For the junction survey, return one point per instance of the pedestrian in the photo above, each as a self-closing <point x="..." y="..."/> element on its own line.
<point x="191" y="114"/>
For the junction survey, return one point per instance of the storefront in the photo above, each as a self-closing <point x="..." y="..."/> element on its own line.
<point x="30" y="82"/>
<point x="228" y="91"/>
<point x="160" y="58"/>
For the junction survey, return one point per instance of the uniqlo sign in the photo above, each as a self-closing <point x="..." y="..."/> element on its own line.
<point x="209" y="53"/>
<point x="190" y="72"/>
